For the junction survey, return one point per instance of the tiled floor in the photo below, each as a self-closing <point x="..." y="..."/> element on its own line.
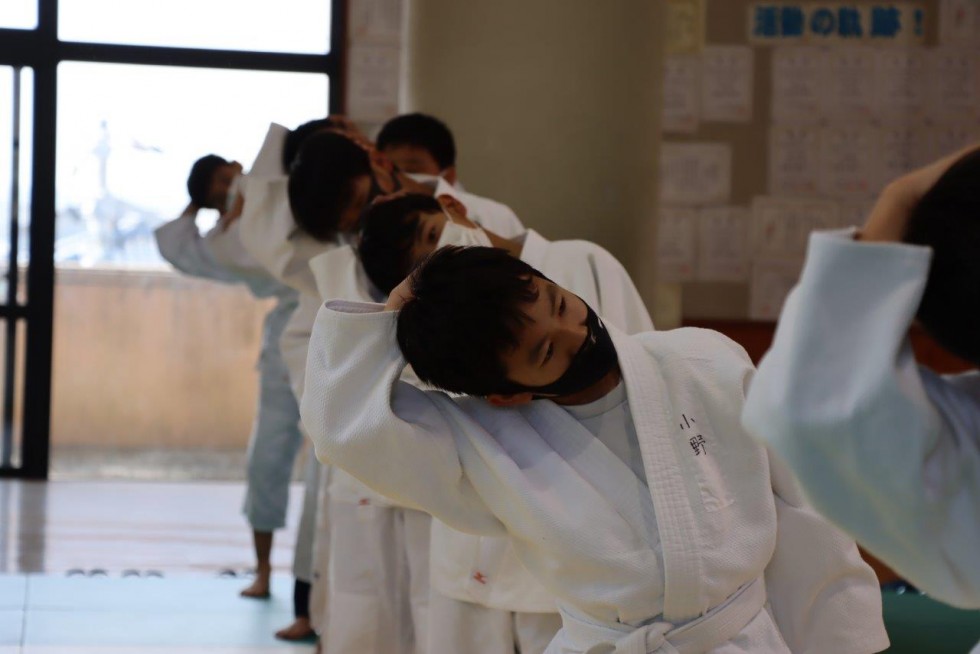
<point x="116" y="526"/>
<point x="187" y="532"/>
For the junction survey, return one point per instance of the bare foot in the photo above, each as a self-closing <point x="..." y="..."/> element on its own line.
<point x="299" y="630"/>
<point x="259" y="589"/>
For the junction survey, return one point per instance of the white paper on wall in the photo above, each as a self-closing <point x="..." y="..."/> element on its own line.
<point x="959" y="22"/>
<point x="726" y="84"/>
<point x="771" y="283"/>
<point x="378" y="21"/>
<point x="723" y="244"/>
<point x="677" y="243"/>
<point x="954" y="76"/>
<point x="942" y="140"/>
<point x="681" y="93"/>
<point x="797" y="83"/>
<point x="849" y="162"/>
<point x="781" y="227"/>
<point x="897" y="151"/>
<point x="794" y="160"/>
<point x="900" y="92"/>
<point x="695" y="173"/>
<point x="849" y="92"/>
<point x="373" y="81"/>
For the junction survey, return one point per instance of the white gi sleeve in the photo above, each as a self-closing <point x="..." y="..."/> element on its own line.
<point x="181" y="244"/>
<point x="618" y="295"/>
<point x="885" y="450"/>
<point x="395" y="438"/>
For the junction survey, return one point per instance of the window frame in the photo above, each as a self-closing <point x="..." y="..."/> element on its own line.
<point x="41" y="50"/>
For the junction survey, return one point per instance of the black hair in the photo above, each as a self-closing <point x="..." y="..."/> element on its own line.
<point x="321" y="182"/>
<point x="387" y="235"/>
<point x="422" y="131"/>
<point x="294" y="140"/>
<point x="199" y="181"/>
<point x="948" y="221"/>
<point x="467" y="310"/>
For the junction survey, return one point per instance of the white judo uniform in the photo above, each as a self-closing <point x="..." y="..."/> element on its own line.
<point x="275" y="440"/>
<point x="271" y="237"/>
<point x="483" y="598"/>
<point x="379" y="599"/>
<point x="717" y="552"/>
<point x="378" y="558"/>
<point x="886" y="449"/>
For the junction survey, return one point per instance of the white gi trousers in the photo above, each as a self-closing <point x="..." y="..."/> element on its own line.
<point x="378" y="579"/>
<point x="458" y="626"/>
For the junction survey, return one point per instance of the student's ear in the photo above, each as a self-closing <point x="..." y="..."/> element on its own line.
<point x="449" y="174"/>
<point x="452" y="205"/>
<point x="516" y="399"/>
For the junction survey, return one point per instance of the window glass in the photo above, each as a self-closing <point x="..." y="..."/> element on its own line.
<point x="18" y="14"/>
<point x="127" y="136"/>
<point x="301" y="26"/>
<point x="8" y="96"/>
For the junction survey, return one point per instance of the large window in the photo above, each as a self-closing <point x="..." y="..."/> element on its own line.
<point x="104" y="105"/>
<point x="18" y="14"/>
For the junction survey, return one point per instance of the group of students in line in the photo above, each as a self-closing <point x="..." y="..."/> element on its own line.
<point x="510" y="458"/>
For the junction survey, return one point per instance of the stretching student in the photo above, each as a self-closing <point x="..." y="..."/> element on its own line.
<point x="887" y="449"/>
<point x="335" y="178"/>
<point x="615" y="463"/>
<point x="481" y="596"/>
<point x="219" y="256"/>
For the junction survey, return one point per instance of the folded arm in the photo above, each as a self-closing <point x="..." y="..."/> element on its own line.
<point x="395" y="438"/>
<point x="886" y="451"/>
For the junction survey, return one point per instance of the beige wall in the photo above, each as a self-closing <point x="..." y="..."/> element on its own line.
<point x="153" y="359"/>
<point x="555" y="108"/>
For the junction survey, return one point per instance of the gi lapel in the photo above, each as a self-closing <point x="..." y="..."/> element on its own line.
<point x="597" y="465"/>
<point x="676" y="520"/>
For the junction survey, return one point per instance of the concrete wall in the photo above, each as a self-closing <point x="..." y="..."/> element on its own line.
<point x="153" y="359"/>
<point x="555" y="108"/>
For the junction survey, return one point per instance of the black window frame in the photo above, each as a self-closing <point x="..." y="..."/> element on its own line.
<point x="41" y="50"/>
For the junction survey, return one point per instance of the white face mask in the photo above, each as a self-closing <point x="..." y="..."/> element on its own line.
<point x="432" y="181"/>
<point x="456" y="234"/>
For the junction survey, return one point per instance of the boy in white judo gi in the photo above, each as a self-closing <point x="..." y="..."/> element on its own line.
<point x="219" y="256"/>
<point x="332" y="182"/>
<point x="627" y="488"/>
<point x="481" y="595"/>
<point x="887" y="449"/>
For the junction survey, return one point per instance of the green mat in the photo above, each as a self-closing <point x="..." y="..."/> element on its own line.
<point x="919" y="625"/>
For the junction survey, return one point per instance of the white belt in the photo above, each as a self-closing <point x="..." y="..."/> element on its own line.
<point x="717" y="626"/>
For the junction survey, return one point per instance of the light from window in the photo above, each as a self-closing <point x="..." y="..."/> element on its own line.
<point x="127" y="136"/>
<point x="301" y="26"/>
<point x="18" y="14"/>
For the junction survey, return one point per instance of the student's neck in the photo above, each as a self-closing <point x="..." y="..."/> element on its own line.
<point x="597" y="390"/>
<point x="512" y="247"/>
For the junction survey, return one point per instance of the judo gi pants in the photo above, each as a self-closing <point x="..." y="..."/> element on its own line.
<point x="272" y="450"/>
<point x="457" y="626"/>
<point x="379" y="580"/>
<point x="320" y="592"/>
<point x="303" y="555"/>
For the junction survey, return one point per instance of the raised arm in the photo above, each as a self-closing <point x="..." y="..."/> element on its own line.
<point x="180" y="242"/>
<point x="397" y="439"/>
<point x="887" y="452"/>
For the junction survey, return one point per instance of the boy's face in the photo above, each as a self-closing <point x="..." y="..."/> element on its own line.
<point x="550" y="339"/>
<point x="430" y="226"/>
<point x="412" y="159"/>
